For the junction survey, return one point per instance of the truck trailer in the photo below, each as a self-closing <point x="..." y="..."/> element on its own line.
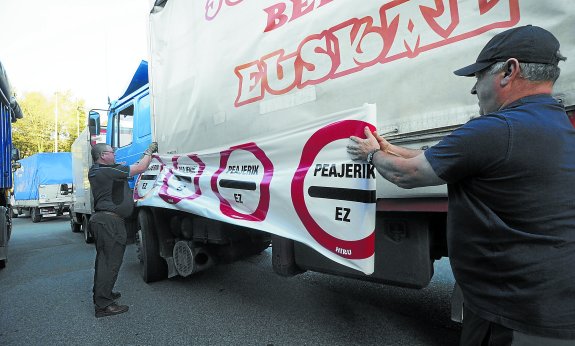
<point x="253" y="104"/>
<point x="43" y="185"/>
<point x="128" y="131"/>
<point x="9" y="112"/>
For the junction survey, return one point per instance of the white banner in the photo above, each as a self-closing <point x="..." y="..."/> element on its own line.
<point x="301" y="185"/>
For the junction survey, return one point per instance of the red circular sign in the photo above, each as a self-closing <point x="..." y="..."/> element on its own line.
<point x="165" y="195"/>
<point x="137" y="195"/>
<point x="360" y="249"/>
<point x="264" y="201"/>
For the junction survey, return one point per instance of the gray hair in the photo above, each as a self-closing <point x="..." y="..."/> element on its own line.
<point x="533" y="72"/>
<point x="97" y="150"/>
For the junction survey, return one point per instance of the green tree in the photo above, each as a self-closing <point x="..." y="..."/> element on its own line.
<point x="35" y="132"/>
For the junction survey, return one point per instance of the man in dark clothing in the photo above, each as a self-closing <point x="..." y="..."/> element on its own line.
<point x="113" y="202"/>
<point x="509" y="173"/>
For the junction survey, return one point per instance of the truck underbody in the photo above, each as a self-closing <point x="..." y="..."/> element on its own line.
<point x="174" y="243"/>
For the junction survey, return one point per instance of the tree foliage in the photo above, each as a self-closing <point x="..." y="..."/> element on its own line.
<point x="35" y="133"/>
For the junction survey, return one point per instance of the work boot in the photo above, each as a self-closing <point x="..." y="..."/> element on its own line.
<point x="113" y="309"/>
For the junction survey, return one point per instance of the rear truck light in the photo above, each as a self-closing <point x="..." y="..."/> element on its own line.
<point x="571" y="115"/>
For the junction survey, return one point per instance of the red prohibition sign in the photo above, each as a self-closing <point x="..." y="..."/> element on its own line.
<point x="136" y="192"/>
<point x="361" y="248"/>
<point x="264" y="203"/>
<point x="163" y="193"/>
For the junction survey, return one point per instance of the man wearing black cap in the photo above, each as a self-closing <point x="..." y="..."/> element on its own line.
<point x="510" y="176"/>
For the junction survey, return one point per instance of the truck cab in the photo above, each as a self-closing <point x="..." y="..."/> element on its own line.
<point x="129" y="129"/>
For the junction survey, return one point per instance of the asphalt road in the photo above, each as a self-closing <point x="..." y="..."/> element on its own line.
<point x="45" y="299"/>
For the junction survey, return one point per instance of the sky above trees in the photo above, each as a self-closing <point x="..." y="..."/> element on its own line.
<point x="90" y="48"/>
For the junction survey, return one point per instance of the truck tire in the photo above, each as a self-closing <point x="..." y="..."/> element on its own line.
<point x="153" y="265"/>
<point x="35" y="215"/>
<point x="88" y="236"/>
<point x="76" y="227"/>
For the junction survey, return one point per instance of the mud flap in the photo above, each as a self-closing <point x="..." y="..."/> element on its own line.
<point x="283" y="257"/>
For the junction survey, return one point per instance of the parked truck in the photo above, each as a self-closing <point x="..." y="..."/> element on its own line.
<point x="128" y="131"/>
<point x="252" y="128"/>
<point x="43" y="185"/>
<point x="9" y="112"/>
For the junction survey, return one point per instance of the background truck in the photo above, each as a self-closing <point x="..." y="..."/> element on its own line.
<point x="218" y="98"/>
<point x="128" y="131"/>
<point x="43" y="185"/>
<point x="9" y="112"/>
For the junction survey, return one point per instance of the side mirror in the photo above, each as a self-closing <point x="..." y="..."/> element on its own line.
<point x="15" y="154"/>
<point x="94" y="123"/>
<point x="16" y="166"/>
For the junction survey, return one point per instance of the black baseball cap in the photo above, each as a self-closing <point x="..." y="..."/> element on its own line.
<point x="530" y="44"/>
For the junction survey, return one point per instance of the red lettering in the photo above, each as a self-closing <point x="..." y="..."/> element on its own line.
<point x="280" y="72"/>
<point x="300" y="7"/>
<point x="316" y="60"/>
<point x="403" y="30"/>
<point x="276" y="16"/>
<point x="213" y="7"/>
<point x="250" y="88"/>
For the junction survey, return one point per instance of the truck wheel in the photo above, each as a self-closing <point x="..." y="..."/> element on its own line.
<point x="35" y="215"/>
<point x="76" y="227"/>
<point x="153" y="266"/>
<point x="88" y="236"/>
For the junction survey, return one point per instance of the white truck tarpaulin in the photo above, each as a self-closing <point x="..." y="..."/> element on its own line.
<point x="234" y="79"/>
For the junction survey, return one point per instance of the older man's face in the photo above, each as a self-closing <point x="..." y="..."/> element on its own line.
<point x="486" y="90"/>
<point x="108" y="156"/>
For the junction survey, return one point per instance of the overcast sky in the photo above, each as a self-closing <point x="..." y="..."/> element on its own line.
<point x="91" y="47"/>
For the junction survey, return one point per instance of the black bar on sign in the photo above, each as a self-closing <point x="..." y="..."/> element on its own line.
<point x="148" y="177"/>
<point x="238" y="184"/>
<point x="184" y="178"/>
<point x="342" y="194"/>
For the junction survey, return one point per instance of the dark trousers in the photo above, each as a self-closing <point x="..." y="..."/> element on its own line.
<point x="109" y="257"/>
<point x="479" y="332"/>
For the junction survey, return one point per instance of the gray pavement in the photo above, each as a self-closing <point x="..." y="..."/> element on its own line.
<point x="45" y="299"/>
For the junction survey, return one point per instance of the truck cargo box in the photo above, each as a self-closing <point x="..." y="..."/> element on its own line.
<point x="41" y="169"/>
<point x="43" y="184"/>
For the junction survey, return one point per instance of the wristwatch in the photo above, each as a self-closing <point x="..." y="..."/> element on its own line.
<point x="370" y="156"/>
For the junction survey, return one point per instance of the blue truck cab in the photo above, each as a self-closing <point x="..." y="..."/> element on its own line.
<point x="128" y="128"/>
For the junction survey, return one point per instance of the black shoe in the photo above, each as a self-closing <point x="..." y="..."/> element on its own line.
<point x="110" y="310"/>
